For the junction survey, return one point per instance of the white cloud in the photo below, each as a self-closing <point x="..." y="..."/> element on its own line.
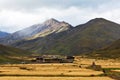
<point x="15" y="16"/>
<point x="16" y="20"/>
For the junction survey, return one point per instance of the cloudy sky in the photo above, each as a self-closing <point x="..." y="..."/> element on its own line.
<point x="18" y="14"/>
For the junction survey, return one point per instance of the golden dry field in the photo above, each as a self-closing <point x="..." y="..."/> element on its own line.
<point x="56" y="78"/>
<point x="57" y="71"/>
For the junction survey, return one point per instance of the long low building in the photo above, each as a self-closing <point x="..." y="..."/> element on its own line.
<point x="53" y="59"/>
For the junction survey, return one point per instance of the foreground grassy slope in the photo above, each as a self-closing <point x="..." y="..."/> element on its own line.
<point x="9" y="54"/>
<point x="84" y="38"/>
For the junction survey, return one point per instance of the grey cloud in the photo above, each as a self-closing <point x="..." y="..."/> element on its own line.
<point x="34" y="4"/>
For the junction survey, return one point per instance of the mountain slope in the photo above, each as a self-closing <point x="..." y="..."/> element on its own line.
<point x="37" y="30"/>
<point x="83" y="38"/>
<point x="8" y="54"/>
<point x="3" y="34"/>
<point x="111" y="51"/>
<point x="114" y="45"/>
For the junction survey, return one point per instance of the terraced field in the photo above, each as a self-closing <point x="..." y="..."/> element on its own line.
<point x="60" y="71"/>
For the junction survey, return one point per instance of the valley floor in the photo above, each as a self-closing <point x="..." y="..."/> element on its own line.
<point x="60" y="71"/>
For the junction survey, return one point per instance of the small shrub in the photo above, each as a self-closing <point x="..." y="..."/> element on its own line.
<point x="62" y="74"/>
<point x="92" y="75"/>
<point x="25" y="68"/>
<point x="69" y="71"/>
